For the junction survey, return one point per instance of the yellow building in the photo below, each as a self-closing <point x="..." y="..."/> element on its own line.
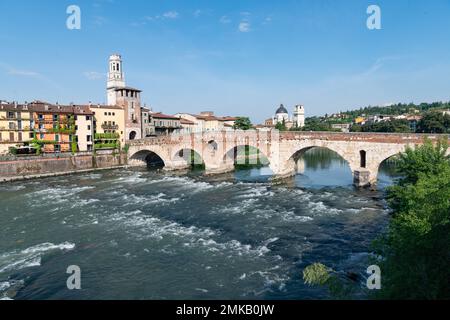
<point x="16" y="125"/>
<point x="109" y="119"/>
<point x="360" y="120"/>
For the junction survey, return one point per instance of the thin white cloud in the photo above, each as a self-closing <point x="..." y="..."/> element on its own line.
<point x="23" y="73"/>
<point x="18" y="72"/>
<point x="244" y="26"/>
<point x="93" y="75"/>
<point x="171" y="15"/>
<point x="225" y="20"/>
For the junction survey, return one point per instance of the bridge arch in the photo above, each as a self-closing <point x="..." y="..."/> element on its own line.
<point x="237" y="154"/>
<point x="187" y="157"/>
<point x="297" y="152"/>
<point x="149" y="158"/>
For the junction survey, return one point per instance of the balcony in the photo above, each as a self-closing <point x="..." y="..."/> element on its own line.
<point x="110" y="126"/>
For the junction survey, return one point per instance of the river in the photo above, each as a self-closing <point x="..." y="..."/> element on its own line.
<point x="141" y="234"/>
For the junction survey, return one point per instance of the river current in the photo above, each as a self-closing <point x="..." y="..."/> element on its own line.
<point x="141" y="234"/>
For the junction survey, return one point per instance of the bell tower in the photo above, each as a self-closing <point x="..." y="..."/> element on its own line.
<point x="116" y="78"/>
<point x="299" y="116"/>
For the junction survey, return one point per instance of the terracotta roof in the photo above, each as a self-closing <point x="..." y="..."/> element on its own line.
<point x="228" y="118"/>
<point x="50" y="108"/>
<point x="160" y="115"/>
<point x="185" y="121"/>
<point x="101" y="106"/>
<point x="82" y="110"/>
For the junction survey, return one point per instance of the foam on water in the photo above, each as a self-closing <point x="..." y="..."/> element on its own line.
<point x="30" y="257"/>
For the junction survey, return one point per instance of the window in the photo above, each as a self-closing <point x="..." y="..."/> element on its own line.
<point x="55" y="117"/>
<point x="88" y="118"/>
<point x="109" y="113"/>
<point x="41" y="117"/>
<point x="20" y="137"/>
<point x="106" y="113"/>
<point x="57" y="148"/>
<point x="31" y="136"/>
<point x="12" y="126"/>
<point x="89" y="127"/>
<point x="114" y="113"/>
<point x="56" y="137"/>
<point x="10" y="115"/>
<point x="41" y="136"/>
<point x="88" y="138"/>
<point x="363" y="156"/>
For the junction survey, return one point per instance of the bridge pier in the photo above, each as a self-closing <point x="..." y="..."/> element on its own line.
<point x="219" y="169"/>
<point x="176" y="165"/>
<point x="363" y="178"/>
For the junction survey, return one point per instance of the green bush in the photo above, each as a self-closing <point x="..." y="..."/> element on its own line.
<point x="13" y="150"/>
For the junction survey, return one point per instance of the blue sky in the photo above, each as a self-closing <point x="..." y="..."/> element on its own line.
<point x="233" y="57"/>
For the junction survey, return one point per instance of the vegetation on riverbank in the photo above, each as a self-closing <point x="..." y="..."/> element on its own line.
<point x="414" y="253"/>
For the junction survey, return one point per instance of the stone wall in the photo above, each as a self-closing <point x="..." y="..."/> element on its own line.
<point x="23" y="167"/>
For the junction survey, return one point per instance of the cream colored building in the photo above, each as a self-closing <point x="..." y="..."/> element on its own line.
<point x="109" y="119"/>
<point x="207" y="121"/>
<point x="84" y="124"/>
<point x="16" y="125"/>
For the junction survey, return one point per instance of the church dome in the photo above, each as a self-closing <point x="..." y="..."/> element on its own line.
<point x="281" y="110"/>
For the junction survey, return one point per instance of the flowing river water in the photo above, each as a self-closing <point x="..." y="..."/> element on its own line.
<point x="141" y="234"/>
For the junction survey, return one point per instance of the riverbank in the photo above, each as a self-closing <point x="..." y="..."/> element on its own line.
<point x="25" y="168"/>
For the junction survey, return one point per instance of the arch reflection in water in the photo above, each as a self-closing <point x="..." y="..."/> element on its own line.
<point x="322" y="167"/>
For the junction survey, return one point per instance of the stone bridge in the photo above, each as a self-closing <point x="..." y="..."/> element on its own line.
<point x="364" y="152"/>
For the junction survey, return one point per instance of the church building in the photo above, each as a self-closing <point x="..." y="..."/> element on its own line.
<point x="282" y="116"/>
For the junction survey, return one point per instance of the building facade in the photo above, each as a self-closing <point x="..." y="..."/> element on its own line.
<point x="109" y="120"/>
<point x="148" y="127"/>
<point x="207" y="121"/>
<point x="84" y="128"/>
<point x="16" y="125"/>
<point x="165" y="124"/>
<point x="54" y="127"/>
<point x="128" y="98"/>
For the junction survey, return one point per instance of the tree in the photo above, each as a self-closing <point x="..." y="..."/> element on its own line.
<point x="281" y="126"/>
<point x="434" y="122"/>
<point x="414" y="254"/>
<point x="384" y="126"/>
<point x="242" y="123"/>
